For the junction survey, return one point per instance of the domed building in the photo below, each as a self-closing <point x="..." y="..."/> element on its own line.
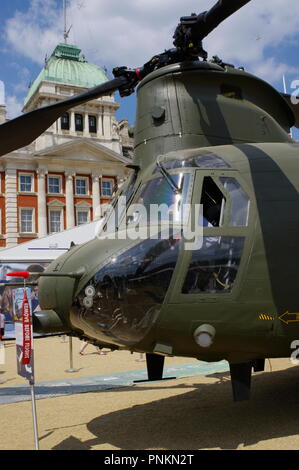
<point x="67" y="66"/>
<point x="68" y="174"/>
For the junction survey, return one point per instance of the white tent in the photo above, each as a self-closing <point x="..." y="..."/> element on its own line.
<point x="49" y="248"/>
<point x="38" y="252"/>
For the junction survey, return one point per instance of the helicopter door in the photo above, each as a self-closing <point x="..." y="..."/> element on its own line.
<point x="212" y="266"/>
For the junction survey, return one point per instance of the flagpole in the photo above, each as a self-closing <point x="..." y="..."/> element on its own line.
<point x="26" y="357"/>
<point x="64" y="31"/>
<point x="31" y="383"/>
<point x="34" y="415"/>
<point x="284" y="84"/>
<point x="71" y="369"/>
<point x="286" y="92"/>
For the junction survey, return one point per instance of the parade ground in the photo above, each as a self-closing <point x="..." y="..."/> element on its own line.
<point x="100" y="407"/>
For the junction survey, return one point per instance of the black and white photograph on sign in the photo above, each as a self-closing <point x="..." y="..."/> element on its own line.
<point x="12" y="312"/>
<point x="25" y="370"/>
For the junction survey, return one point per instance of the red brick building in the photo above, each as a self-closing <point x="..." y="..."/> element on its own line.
<point x="64" y="178"/>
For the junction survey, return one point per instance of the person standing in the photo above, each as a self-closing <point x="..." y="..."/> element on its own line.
<point x="2" y="324"/>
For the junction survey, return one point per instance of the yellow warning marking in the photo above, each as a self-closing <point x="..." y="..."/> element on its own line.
<point x="266" y="317"/>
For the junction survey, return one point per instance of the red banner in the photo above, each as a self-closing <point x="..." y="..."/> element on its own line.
<point x="27" y="336"/>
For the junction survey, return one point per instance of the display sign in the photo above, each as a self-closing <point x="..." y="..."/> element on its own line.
<point x="27" y="331"/>
<point x="22" y="310"/>
<point x="6" y="293"/>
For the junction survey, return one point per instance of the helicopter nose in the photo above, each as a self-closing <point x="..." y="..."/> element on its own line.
<point x="118" y="297"/>
<point x="55" y="299"/>
<point x="123" y="299"/>
<point x="56" y="292"/>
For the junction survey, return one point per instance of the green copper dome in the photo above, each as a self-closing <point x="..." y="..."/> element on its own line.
<point x="66" y="65"/>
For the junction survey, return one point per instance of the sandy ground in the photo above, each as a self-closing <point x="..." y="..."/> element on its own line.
<point x="190" y="413"/>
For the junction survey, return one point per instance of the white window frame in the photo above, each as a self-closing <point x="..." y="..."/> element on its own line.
<point x="104" y="180"/>
<point x="33" y="210"/>
<point x="82" y="209"/>
<point x="60" y="183"/>
<point x="87" y="185"/>
<point x="32" y="182"/>
<point x="56" y="209"/>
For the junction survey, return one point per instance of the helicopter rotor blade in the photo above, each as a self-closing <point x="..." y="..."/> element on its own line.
<point x="221" y="11"/>
<point x="22" y="130"/>
<point x="209" y="20"/>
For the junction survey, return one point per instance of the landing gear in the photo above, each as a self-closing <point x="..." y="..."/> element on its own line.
<point x="155" y="366"/>
<point x="241" y="377"/>
<point x="259" y="365"/>
<point x="241" y="380"/>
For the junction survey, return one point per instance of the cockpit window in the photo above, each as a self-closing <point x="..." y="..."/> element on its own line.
<point x="213" y="268"/>
<point x="157" y="200"/>
<point x="229" y="206"/>
<point x="239" y="209"/>
<point x="213" y="202"/>
<point x="209" y="160"/>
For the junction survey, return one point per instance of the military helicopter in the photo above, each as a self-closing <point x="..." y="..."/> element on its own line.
<point x="206" y="134"/>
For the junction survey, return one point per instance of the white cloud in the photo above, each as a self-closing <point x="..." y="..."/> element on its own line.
<point x="22" y="78"/>
<point x="271" y="70"/>
<point x="14" y="106"/>
<point x="35" y="32"/>
<point x="129" y="32"/>
<point x="2" y="93"/>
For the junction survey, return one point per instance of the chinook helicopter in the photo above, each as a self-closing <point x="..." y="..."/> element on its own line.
<point x="206" y="134"/>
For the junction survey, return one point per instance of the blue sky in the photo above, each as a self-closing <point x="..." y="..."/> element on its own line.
<point x="263" y="37"/>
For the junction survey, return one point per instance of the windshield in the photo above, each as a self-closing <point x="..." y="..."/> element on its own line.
<point x="156" y="200"/>
<point x="115" y="211"/>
